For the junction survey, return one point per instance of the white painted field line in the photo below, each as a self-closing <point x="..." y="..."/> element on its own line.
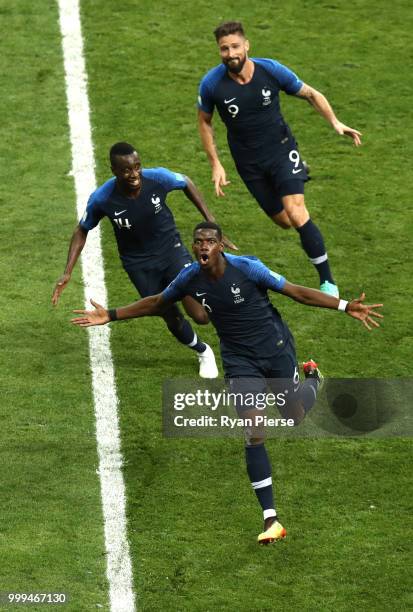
<point x="119" y="568"/>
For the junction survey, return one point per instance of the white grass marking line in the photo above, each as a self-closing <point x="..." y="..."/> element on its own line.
<point x="119" y="568"/>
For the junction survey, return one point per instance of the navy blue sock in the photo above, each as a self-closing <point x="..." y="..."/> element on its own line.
<point x="308" y="393"/>
<point x="259" y="472"/>
<point x="184" y="333"/>
<point x="313" y="245"/>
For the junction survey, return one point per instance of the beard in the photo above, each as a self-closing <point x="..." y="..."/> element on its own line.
<point x="237" y="66"/>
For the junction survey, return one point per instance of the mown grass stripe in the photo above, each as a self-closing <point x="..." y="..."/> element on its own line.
<point x="119" y="571"/>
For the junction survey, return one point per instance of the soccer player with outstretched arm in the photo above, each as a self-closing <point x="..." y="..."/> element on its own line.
<point x="255" y="343"/>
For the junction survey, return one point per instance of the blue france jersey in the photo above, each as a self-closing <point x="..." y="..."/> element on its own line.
<point x="251" y="112"/>
<point x="144" y="227"/>
<point x="237" y="305"/>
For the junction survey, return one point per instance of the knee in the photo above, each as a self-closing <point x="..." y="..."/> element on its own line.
<point x="298" y="216"/>
<point x="296" y="210"/>
<point x="195" y="310"/>
<point x="201" y="318"/>
<point x="282" y="220"/>
<point x="257" y="441"/>
<point x="253" y="440"/>
<point x="284" y="225"/>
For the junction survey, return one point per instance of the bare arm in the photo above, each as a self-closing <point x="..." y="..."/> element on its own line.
<point x="354" y="308"/>
<point x="153" y="305"/>
<point x="195" y="196"/>
<point x="322" y="106"/>
<point x="77" y="243"/>
<point x="206" y="132"/>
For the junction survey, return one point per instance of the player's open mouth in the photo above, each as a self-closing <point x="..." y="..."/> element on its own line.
<point x="204" y="257"/>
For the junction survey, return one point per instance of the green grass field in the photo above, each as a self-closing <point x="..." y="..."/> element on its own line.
<point x="192" y="519"/>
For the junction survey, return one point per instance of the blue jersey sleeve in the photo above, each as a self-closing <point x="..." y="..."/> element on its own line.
<point x="169" y="180"/>
<point x="205" y="102"/>
<point x="206" y="89"/>
<point x="93" y="213"/>
<point x="177" y="289"/>
<point x="258" y="272"/>
<point x="288" y="80"/>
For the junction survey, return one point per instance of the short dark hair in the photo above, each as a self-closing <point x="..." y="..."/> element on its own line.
<point x="209" y="225"/>
<point x="227" y="28"/>
<point x="120" y="148"/>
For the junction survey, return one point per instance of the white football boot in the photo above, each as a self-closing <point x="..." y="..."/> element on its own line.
<point x="207" y="364"/>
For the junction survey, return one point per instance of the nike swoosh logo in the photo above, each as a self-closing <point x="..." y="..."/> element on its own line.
<point x="228" y="101"/>
<point x="199" y="294"/>
<point x="297" y="171"/>
<point x="119" y="213"/>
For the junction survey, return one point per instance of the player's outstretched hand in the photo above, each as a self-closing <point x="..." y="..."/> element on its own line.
<point x="364" y="312"/>
<point x="99" y="316"/>
<point x="344" y="130"/>
<point x="219" y="178"/>
<point x="228" y="244"/>
<point x="60" y="285"/>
